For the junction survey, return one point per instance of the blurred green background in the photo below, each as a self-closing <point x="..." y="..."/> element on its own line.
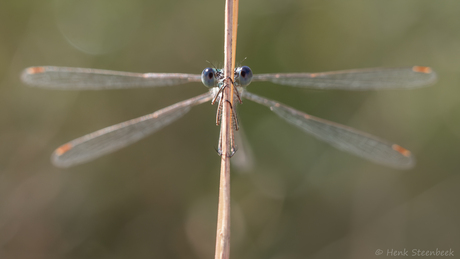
<point x="293" y="196"/>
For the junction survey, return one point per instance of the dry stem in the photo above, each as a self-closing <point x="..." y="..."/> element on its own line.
<point x="223" y="218"/>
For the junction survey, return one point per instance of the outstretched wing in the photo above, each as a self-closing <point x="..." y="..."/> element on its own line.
<point x="359" y="79"/>
<point x="115" y="137"/>
<point x="72" y="78"/>
<point x="342" y="137"/>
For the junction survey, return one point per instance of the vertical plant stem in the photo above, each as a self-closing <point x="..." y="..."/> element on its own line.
<point x="223" y="217"/>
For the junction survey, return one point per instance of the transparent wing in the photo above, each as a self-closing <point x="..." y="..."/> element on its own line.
<point x="342" y="137"/>
<point x="359" y="79"/>
<point x="72" y="78"/>
<point x="115" y="137"/>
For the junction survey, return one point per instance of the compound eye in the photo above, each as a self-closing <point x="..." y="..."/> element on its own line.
<point x="244" y="75"/>
<point x="208" y="77"/>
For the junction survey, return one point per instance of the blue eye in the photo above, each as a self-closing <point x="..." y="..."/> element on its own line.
<point x="208" y="77"/>
<point x="244" y="75"/>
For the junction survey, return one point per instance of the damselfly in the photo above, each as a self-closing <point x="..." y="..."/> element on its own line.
<point x="112" y="138"/>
